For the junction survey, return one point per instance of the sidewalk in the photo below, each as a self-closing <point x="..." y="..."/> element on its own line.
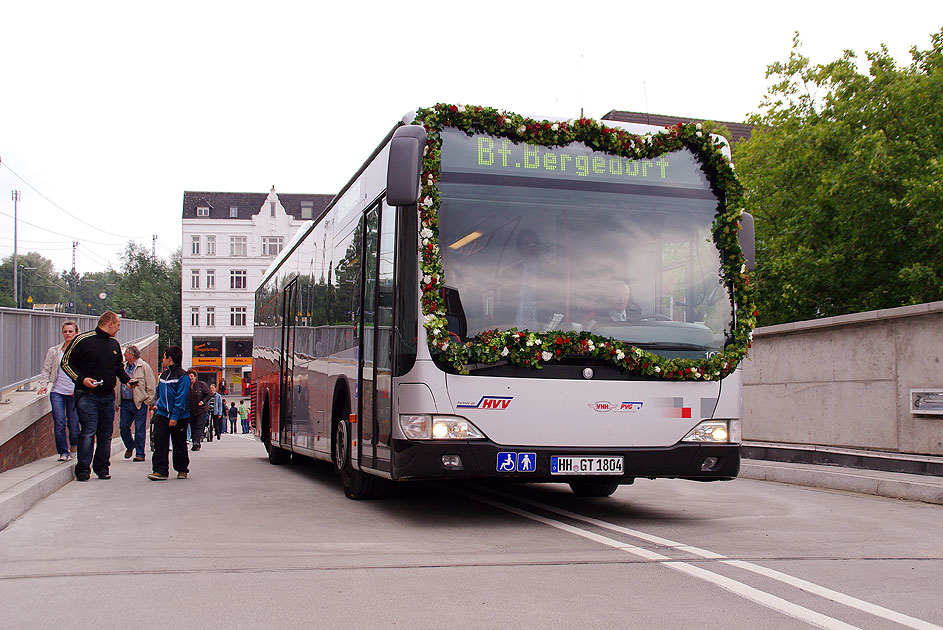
<point x="926" y="488"/>
<point x="23" y="487"/>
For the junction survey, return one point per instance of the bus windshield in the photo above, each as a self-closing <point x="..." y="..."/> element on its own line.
<point x="571" y="239"/>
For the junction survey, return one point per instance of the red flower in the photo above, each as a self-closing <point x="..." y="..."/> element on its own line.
<point x="453" y="108"/>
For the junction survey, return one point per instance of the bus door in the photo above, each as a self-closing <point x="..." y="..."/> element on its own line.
<point x="376" y="403"/>
<point x="287" y="364"/>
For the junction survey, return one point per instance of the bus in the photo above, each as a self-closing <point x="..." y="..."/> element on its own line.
<point x="496" y="297"/>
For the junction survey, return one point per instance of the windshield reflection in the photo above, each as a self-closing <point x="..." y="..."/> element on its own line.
<point x="537" y="255"/>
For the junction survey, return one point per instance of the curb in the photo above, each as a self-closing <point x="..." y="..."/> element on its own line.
<point x="33" y="482"/>
<point x="926" y="489"/>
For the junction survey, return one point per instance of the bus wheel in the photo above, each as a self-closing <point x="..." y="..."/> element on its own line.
<point x="278" y="456"/>
<point x="357" y="484"/>
<point x="593" y="487"/>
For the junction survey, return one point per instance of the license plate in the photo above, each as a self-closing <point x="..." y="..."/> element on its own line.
<point x="585" y="465"/>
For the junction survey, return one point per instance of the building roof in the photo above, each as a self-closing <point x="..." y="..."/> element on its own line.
<point x="249" y="204"/>
<point x="738" y="131"/>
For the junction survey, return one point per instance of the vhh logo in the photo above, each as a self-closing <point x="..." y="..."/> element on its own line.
<point x="602" y="406"/>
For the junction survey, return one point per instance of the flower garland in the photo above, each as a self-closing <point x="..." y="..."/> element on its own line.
<point x="531" y="349"/>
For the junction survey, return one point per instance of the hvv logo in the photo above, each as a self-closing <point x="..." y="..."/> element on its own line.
<point x="487" y="402"/>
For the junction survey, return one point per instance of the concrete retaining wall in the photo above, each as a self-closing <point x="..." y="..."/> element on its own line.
<point x="845" y="381"/>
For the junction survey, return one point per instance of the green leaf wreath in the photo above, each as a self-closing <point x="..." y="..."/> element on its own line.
<point x="526" y="348"/>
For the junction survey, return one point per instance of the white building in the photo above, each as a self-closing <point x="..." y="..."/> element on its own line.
<point x="229" y="239"/>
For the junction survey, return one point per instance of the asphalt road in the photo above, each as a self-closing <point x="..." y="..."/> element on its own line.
<point x="243" y="544"/>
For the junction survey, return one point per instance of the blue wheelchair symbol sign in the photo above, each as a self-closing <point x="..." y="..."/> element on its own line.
<point x="507" y="462"/>
<point x="526" y="462"/>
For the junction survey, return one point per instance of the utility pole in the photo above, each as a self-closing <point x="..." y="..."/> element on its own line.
<point x="75" y="244"/>
<point x="16" y="198"/>
<point x="154" y="247"/>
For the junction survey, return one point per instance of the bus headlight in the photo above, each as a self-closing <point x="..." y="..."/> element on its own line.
<point x="715" y="432"/>
<point x="429" y="427"/>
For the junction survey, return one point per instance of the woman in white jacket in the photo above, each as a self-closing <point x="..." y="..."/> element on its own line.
<point x="61" y="388"/>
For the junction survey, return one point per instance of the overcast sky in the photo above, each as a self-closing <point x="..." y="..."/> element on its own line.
<point x="110" y="110"/>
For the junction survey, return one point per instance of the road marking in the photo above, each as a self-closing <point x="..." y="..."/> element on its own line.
<point x="739" y="588"/>
<point x="809" y="587"/>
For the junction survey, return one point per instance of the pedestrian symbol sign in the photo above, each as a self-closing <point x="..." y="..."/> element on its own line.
<point x="507" y="462"/>
<point x="526" y="462"/>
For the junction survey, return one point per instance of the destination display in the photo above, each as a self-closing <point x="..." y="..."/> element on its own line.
<point x="487" y="154"/>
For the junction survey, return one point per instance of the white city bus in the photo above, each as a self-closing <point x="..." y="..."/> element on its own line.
<point x="495" y="297"/>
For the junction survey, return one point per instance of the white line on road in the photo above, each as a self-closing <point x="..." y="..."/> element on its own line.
<point x="739" y="588"/>
<point x="809" y="587"/>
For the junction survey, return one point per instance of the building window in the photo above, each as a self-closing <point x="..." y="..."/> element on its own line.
<point x="211" y="316"/>
<point x="203" y="211"/>
<point x="237" y="279"/>
<point x="307" y="209"/>
<point x="271" y="245"/>
<point x="272" y="206"/>
<point x="194" y="278"/>
<point x="237" y="245"/>
<point x="233" y="212"/>
<point x="195" y="245"/>
<point x="194" y="315"/>
<point x="210" y="245"/>
<point x="210" y="278"/>
<point x="237" y="316"/>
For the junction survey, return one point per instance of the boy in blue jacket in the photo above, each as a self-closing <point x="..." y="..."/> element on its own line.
<point x="171" y="416"/>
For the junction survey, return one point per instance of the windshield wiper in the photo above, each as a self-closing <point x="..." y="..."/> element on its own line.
<point x="671" y="346"/>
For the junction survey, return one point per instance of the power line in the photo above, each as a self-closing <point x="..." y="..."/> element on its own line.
<point x="39" y="227"/>
<point x="4" y="164"/>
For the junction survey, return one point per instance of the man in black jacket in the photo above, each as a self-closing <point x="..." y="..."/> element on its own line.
<point x="199" y="405"/>
<point x="93" y="361"/>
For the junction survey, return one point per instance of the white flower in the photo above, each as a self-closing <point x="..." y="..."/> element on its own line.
<point x="657" y="369"/>
<point x="537" y="341"/>
<point x="425" y="233"/>
<point x="521" y="130"/>
<point x="436" y="331"/>
<point x="427" y="279"/>
<point x="699" y="134"/>
<point x="461" y="109"/>
<point x="425" y="150"/>
<point x="428" y="319"/>
<point x="590" y="346"/>
<point x="530" y="342"/>
<point x="555" y="126"/>
<point x="505" y="352"/>
<point x="427" y="202"/>
<point x="698" y="127"/>
<point x="743" y="268"/>
<point x="619" y="355"/>
<point x="444" y="345"/>
<point x="546" y="356"/>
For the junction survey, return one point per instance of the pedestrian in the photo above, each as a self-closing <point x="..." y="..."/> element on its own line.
<point x="199" y="408"/>
<point x="216" y="412"/>
<point x="171" y="417"/>
<point x="61" y="399"/>
<point x="135" y="403"/>
<point x="244" y="415"/>
<point x="93" y="362"/>
<point x="233" y="417"/>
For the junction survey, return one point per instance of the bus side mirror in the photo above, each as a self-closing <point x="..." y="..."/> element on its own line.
<point x="405" y="165"/>
<point x="747" y="238"/>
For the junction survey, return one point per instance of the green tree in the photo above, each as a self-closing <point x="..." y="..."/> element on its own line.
<point x="38" y="280"/>
<point x="149" y="289"/>
<point x="843" y="173"/>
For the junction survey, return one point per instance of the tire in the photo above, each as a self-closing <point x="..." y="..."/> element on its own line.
<point x="278" y="456"/>
<point x="357" y="484"/>
<point x="593" y="487"/>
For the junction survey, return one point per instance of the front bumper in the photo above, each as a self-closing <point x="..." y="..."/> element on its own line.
<point x="422" y="459"/>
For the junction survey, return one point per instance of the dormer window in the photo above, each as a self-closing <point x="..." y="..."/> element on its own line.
<point x="307" y="209"/>
<point x="202" y="211"/>
<point x="233" y="212"/>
